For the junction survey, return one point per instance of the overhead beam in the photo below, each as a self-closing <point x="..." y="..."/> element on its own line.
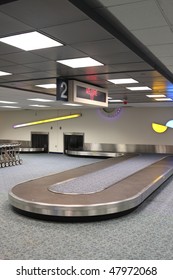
<point x="105" y="19"/>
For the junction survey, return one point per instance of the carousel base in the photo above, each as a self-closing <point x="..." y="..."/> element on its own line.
<point x="34" y="198"/>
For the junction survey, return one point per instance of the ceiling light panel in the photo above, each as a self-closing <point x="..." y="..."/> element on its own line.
<point x="47" y="86"/>
<point x="163" y="99"/>
<point x="155" y="95"/>
<point x="80" y="62"/>
<point x="40" y="100"/>
<point x="30" y="41"/>
<point x="13" y="107"/>
<point x="123" y="81"/>
<point x="138" y="88"/>
<point x="115" y="100"/>
<point x="40" y="106"/>
<point x="8" y="102"/>
<point x="71" y="104"/>
<point x="2" y="73"/>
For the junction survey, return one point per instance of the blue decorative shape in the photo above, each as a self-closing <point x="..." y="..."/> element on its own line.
<point x="169" y="90"/>
<point x="170" y="124"/>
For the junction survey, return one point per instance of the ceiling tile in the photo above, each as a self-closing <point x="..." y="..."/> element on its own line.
<point x="43" y="66"/>
<point x="58" y="53"/>
<point x="12" y="26"/>
<point x="6" y="49"/>
<point x="108" y="3"/>
<point x="17" y="69"/>
<point x="167" y="8"/>
<point x="14" y="77"/>
<point x="23" y="57"/>
<point x="155" y="36"/>
<point x="126" y="67"/>
<point x="146" y="74"/>
<point x="40" y="75"/>
<point x="139" y="15"/>
<point x="168" y="60"/>
<point x="5" y="63"/>
<point x="162" y="50"/>
<point x="43" y="13"/>
<point x="109" y="46"/>
<point x="119" y="58"/>
<point x="83" y="31"/>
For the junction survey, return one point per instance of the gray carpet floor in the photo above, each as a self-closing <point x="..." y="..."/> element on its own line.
<point x="146" y="233"/>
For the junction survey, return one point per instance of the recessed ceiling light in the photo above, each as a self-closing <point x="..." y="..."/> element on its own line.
<point x="47" y="86"/>
<point x="8" y="102"/>
<point x="10" y="107"/>
<point x="2" y="73"/>
<point x="139" y="88"/>
<point x="163" y="99"/>
<point x="37" y="105"/>
<point x="30" y="41"/>
<point x="80" y="62"/>
<point x="115" y="100"/>
<point x="123" y="81"/>
<point x="71" y="104"/>
<point x="155" y="95"/>
<point x="40" y="100"/>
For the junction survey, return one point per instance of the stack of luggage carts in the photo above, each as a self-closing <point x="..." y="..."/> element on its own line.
<point x="10" y="154"/>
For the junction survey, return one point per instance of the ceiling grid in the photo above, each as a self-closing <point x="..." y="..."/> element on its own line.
<point x="148" y="21"/>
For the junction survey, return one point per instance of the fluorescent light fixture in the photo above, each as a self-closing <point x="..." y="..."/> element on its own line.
<point x="71" y="104"/>
<point x="155" y="95"/>
<point x="47" y="86"/>
<point x="41" y="100"/>
<point x="123" y="81"/>
<point x="109" y="97"/>
<point x="30" y="41"/>
<point x="14" y="107"/>
<point x="139" y="88"/>
<point x="8" y="102"/>
<point x="163" y="99"/>
<point x="67" y="117"/>
<point x="2" y="73"/>
<point x="40" y="106"/>
<point x="80" y="62"/>
<point x="115" y="100"/>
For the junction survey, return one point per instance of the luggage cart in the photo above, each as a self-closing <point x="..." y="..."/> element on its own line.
<point x="9" y="155"/>
<point x="16" y="153"/>
<point x="2" y="162"/>
<point x="5" y="155"/>
<point x="12" y="155"/>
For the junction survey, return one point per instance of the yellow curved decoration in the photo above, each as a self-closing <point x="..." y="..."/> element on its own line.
<point x="159" y="128"/>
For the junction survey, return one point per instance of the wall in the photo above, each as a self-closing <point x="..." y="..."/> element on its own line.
<point x="132" y="126"/>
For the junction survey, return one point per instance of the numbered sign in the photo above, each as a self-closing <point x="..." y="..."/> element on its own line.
<point x="62" y="90"/>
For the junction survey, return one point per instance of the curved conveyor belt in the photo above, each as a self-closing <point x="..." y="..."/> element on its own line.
<point x="37" y="197"/>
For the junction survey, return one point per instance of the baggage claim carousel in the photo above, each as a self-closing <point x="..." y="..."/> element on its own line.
<point x="111" y="187"/>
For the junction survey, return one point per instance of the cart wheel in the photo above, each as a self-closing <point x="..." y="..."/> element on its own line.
<point x="3" y="164"/>
<point x="10" y="163"/>
<point x="17" y="162"/>
<point x="13" y="163"/>
<point x="6" y="164"/>
<point x="20" y="161"/>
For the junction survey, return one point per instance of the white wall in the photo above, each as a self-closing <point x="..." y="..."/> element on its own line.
<point x="132" y="126"/>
